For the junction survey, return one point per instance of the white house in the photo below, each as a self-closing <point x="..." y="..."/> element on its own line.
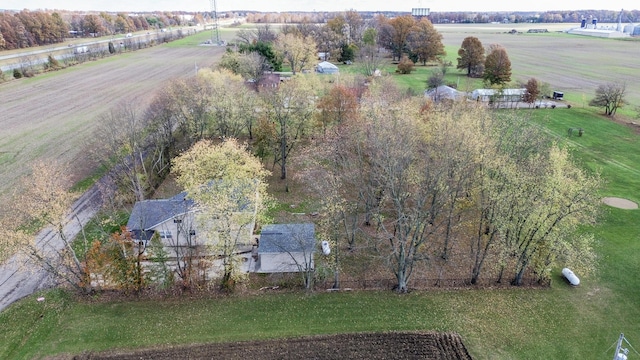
<point x="284" y="248"/>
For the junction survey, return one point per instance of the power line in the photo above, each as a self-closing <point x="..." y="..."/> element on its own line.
<point x="215" y="31"/>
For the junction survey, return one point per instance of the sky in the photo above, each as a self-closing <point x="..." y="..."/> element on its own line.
<point x="322" y="5"/>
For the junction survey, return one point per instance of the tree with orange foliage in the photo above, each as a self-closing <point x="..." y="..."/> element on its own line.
<point x="426" y="42"/>
<point x="337" y="106"/>
<point x="402" y="26"/>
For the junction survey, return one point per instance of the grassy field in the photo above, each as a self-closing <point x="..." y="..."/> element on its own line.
<point x="559" y="322"/>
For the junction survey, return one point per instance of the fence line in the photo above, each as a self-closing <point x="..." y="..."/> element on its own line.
<point x="424" y="284"/>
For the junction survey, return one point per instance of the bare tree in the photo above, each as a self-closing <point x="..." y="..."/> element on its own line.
<point x="288" y="111"/>
<point x="370" y="60"/>
<point x="265" y="34"/>
<point x="120" y="144"/>
<point x="610" y="96"/>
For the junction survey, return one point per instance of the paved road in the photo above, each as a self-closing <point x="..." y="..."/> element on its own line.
<point x="19" y="278"/>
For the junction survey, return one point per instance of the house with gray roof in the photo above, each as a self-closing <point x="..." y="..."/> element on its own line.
<point x="151" y="216"/>
<point x="175" y="222"/>
<point x="284" y="248"/>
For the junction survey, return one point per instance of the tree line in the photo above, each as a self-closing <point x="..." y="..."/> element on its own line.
<point x="26" y="28"/>
<point x="465" y="17"/>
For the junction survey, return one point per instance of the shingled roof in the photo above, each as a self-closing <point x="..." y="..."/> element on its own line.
<point x="290" y="238"/>
<point x="148" y="214"/>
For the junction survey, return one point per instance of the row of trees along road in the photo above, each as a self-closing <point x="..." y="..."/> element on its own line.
<point x="35" y="28"/>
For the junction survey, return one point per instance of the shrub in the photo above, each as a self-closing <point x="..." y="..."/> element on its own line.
<point x="52" y="63"/>
<point x="17" y="74"/>
<point x="405" y="66"/>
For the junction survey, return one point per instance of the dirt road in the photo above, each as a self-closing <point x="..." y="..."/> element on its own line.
<point x="52" y="117"/>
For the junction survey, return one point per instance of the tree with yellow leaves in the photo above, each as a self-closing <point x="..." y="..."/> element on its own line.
<point x="299" y="52"/>
<point x="228" y="185"/>
<point x="35" y="228"/>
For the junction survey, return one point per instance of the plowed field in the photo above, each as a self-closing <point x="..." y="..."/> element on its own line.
<point x="51" y="116"/>
<point x="347" y="346"/>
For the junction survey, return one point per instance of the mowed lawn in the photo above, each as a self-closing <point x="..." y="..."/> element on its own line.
<point x="556" y="323"/>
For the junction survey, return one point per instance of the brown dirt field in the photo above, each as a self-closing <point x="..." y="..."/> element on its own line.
<point x="52" y="116"/>
<point x="344" y="346"/>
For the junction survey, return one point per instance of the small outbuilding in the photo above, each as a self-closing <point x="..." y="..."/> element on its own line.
<point x="285" y="248"/>
<point x="558" y="95"/>
<point x="504" y="95"/>
<point x="326" y="67"/>
<point x="444" y="92"/>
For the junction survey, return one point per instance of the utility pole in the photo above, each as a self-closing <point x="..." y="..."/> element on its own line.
<point x="215" y="33"/>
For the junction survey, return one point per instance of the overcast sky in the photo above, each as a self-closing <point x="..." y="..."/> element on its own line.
<point x="322" y="5"/>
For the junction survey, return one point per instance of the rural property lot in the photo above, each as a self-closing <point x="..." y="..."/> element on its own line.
<point x="52" y="116"/>
<point x="574" y="64"/>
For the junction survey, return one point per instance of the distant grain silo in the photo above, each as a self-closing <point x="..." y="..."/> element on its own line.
<point x="420" y="12"/>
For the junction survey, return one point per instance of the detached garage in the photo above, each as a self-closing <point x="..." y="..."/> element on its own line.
<point x="285" y="248"/>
